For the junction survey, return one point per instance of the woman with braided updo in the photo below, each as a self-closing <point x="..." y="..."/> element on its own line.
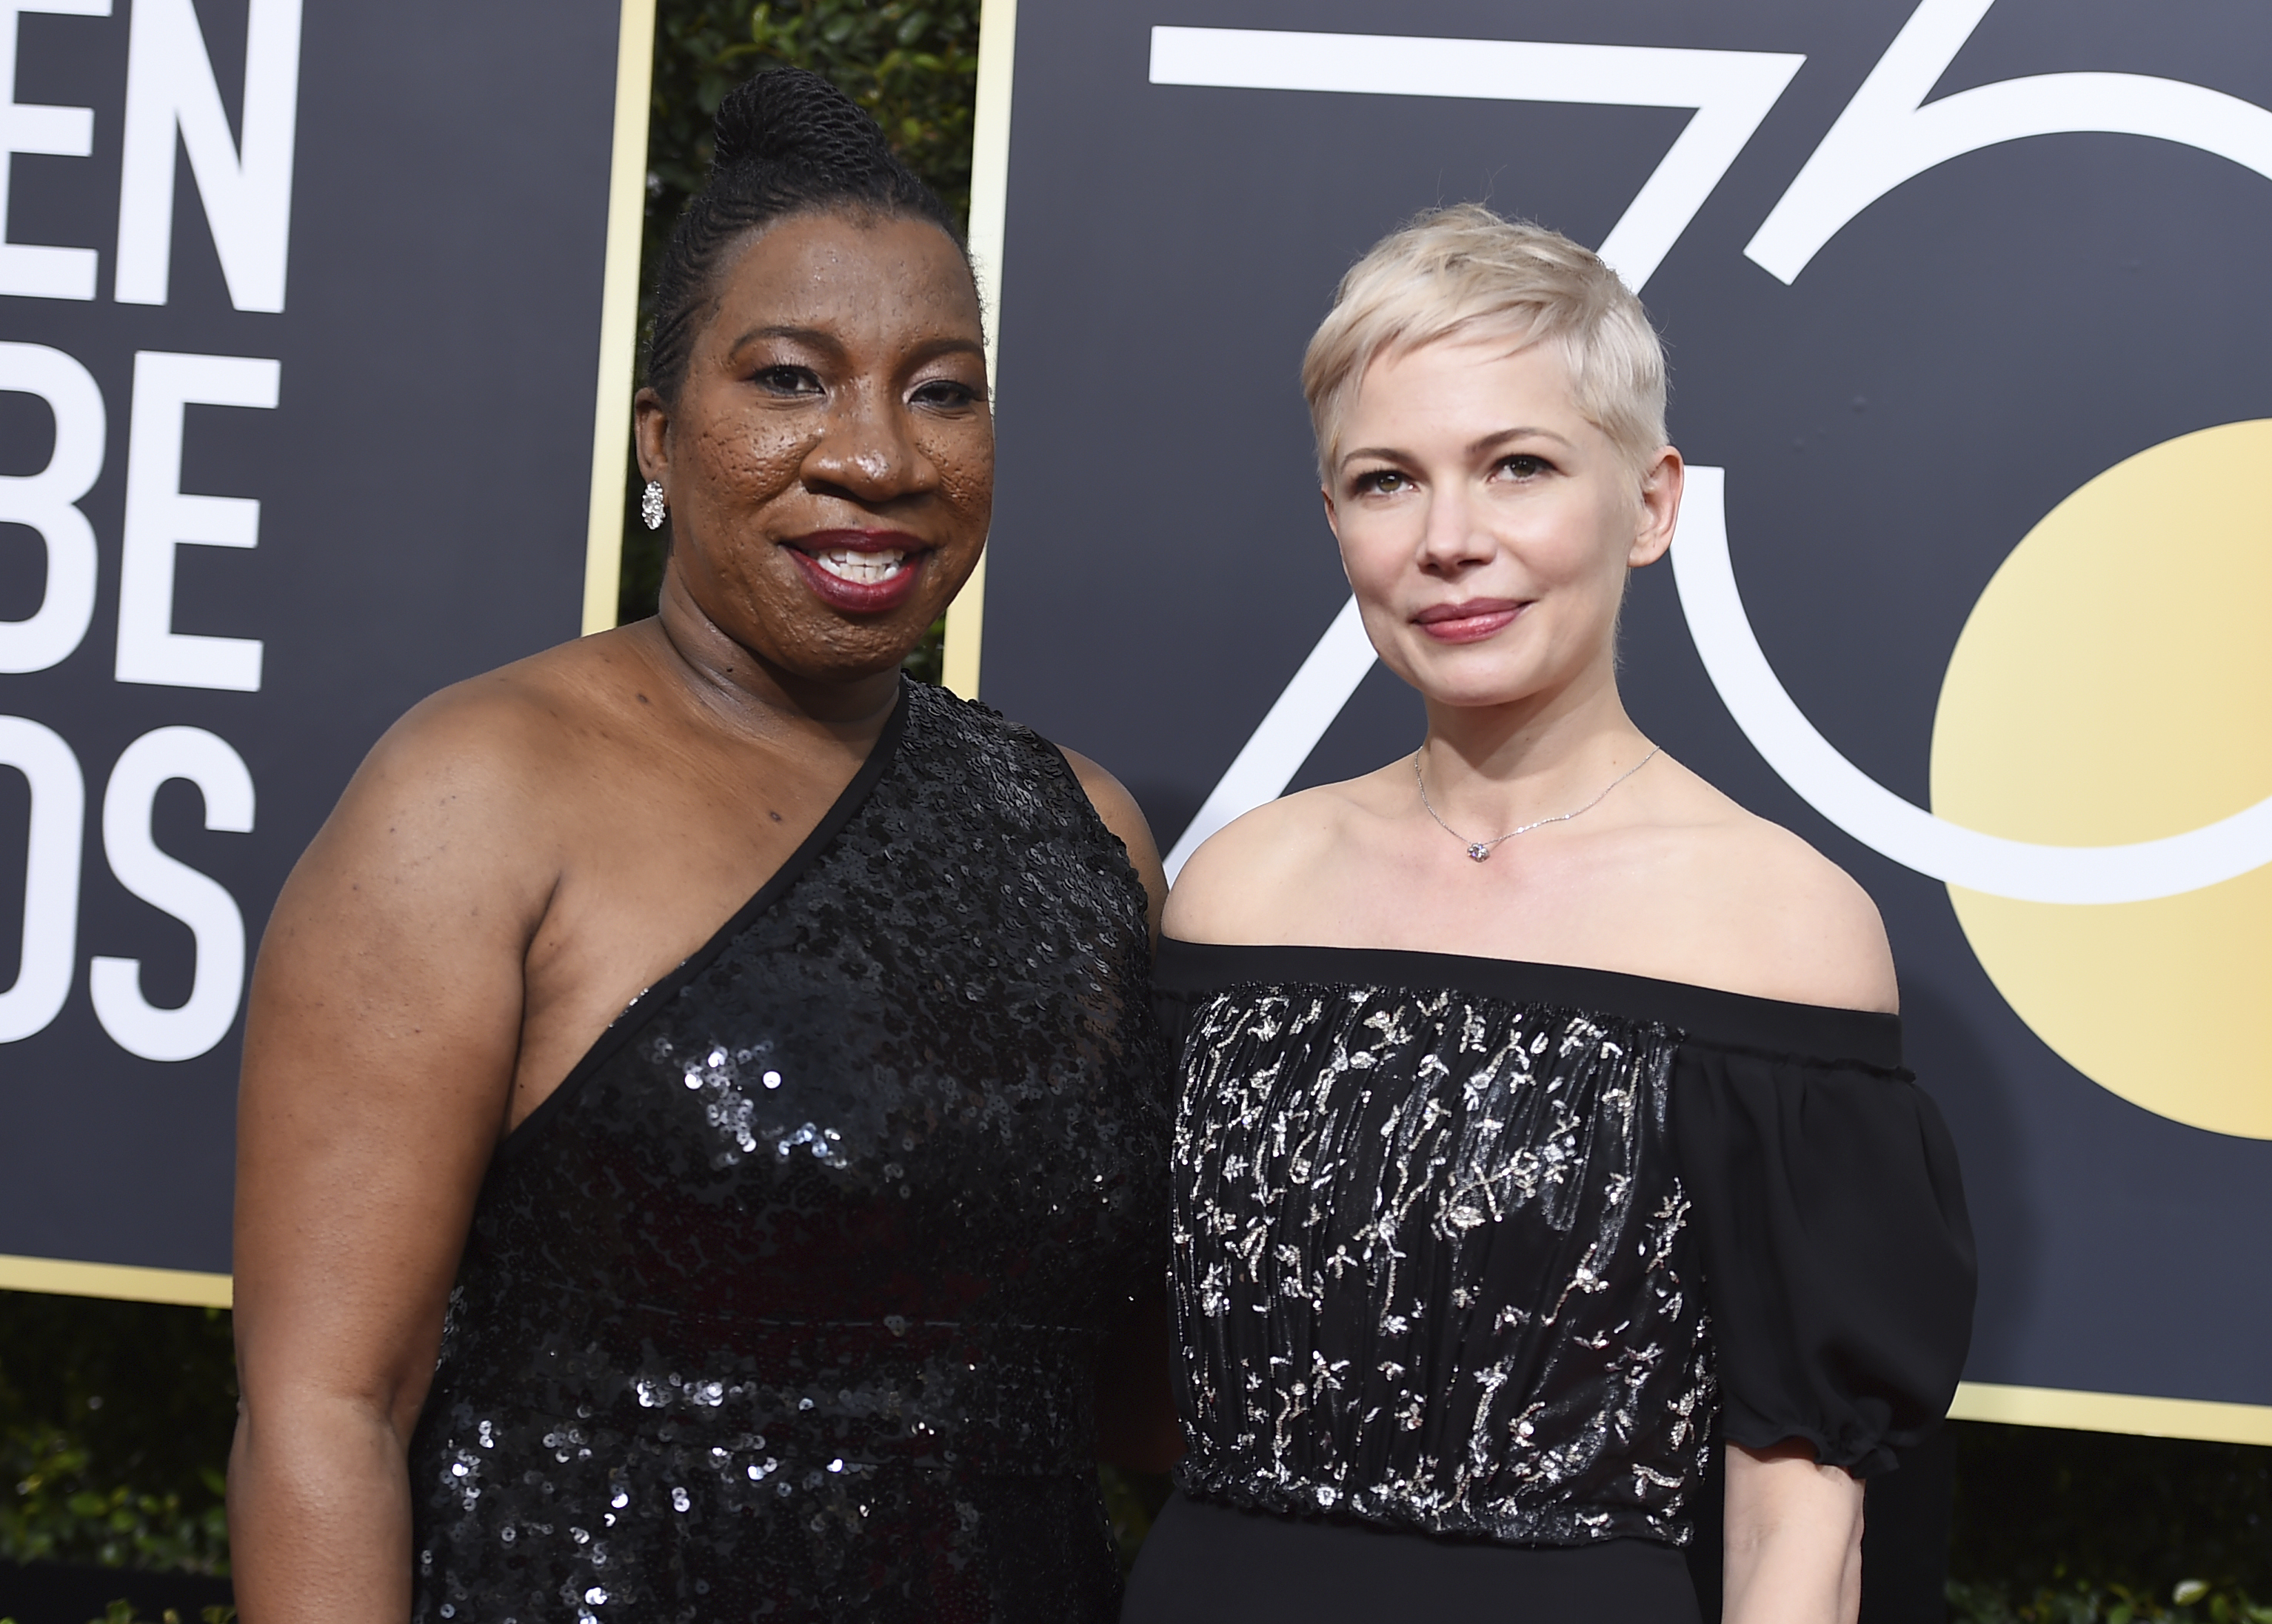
<point x="597" y="1259"/>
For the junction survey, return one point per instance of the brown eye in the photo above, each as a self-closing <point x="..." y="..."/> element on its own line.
<point x="788" y="380"/>
<point x="946" y="394"/>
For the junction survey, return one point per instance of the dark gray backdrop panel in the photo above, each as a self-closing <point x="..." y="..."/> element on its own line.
<point x="1969" y="351"/>
<point x="423" y="486"/>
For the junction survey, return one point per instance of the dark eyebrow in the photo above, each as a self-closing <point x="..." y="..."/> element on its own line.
<point x="813" y="336"/>
<point x="818" y="339"/>
<point x="948" y="346"/>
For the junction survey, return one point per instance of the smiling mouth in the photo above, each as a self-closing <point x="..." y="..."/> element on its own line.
<point x="861" y="568"/>
<point x="861" y="573"/>
<point x="1470" y="622"/>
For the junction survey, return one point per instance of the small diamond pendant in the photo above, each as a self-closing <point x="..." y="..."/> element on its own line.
<point x="1479" y="852"/>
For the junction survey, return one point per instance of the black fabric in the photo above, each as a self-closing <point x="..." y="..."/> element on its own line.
<point x="1188" y="972"/>
<point x="1825" y="1200"/>
<point x="787" y="1304"/>
<point x="1838" y="1256"/>
<point x="1211" y="1564"/>
<point x="1905" y="1529"/>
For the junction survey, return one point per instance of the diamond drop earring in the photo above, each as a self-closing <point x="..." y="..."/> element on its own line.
<point x="652" y="506"/>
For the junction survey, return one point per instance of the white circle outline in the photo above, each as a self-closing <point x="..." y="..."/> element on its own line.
<point x="1865" y="809"/>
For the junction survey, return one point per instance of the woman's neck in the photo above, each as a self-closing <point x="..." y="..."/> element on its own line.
<point x="742" y="690"/>
<point x="1505" y="764"/>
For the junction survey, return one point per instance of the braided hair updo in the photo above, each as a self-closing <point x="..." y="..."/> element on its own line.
<point x="787" y="142"/>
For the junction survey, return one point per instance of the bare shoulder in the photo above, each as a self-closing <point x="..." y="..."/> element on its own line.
<point x="486" y="735"/>
<point x="1125" y="819"/>
<point x="1251" y="875"/>
<point x="1109" y="796"/>
<point x="468" y="780"/>
<point x="396" y="956"/>
<point x="1789" y="922"/>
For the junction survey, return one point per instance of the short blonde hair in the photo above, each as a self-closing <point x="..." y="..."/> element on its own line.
<point x="1456" y="269"/>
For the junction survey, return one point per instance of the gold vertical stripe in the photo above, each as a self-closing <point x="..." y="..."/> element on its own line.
<point x="62" y="1278"/>
<point x="2112" y="1412"/>
<point x="604" y="546"/>
<point x="990" y="204"/>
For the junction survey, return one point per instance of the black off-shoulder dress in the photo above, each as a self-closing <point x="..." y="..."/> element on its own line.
<point x="1473" y="1260"/>
<point x="786" y="1306"/>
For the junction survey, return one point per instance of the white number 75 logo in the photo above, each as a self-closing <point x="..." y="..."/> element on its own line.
<point x="1885" y="135"/>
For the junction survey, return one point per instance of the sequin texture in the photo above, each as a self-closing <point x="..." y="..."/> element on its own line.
<point x="1432" y="1266"/>
<point x="787" y="1305"/>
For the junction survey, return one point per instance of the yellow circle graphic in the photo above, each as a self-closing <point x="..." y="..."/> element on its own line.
<point x="2114" y="684"/>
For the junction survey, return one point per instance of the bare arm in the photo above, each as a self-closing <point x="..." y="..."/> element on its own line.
<point x="379" y="1049"/>
<point x="1794" y="1533"/>
<point x="1125" y="819"/>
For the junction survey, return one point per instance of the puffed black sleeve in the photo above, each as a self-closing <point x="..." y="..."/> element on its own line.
<point x="1838" y="1259"/>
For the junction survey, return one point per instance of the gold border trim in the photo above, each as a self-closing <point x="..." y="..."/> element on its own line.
<point x="2112" y="1412"/>
<point x="989" y="208"/>
<point x="603" y="545"/>
<point x="59" y="1279"/>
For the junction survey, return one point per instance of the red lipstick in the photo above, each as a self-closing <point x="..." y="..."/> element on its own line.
<point x="860" y="597"/>
<point x="1470" y="621"/>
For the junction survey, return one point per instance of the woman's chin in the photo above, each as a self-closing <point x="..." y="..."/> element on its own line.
<point x="802" y="637"/>
<point x="1474" y="685"/>
<point x="853" y="662"/>
<point x="1479" y="698"/>
<point x="825" y="654"/>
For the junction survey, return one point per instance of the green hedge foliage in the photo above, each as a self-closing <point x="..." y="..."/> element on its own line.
<point x="114" y="1427"/>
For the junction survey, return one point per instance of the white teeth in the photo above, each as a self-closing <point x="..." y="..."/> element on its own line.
<point x="863" y="568"/>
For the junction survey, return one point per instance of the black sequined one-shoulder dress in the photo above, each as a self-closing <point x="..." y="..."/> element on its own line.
<point x="1474" y="1259"/>
<point x="787" y="1305"/>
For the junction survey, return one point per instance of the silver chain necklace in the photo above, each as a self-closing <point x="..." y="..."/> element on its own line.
<point x="1480" y="850"/>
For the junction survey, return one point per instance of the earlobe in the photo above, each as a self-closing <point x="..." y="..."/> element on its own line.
<point x="1653" y="541"/>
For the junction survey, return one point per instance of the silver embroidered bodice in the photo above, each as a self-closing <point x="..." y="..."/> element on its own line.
<point x="1433" y="1265"/>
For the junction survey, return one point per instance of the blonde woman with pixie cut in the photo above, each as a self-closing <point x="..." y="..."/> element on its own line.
<point x="1543" y="1115"/>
